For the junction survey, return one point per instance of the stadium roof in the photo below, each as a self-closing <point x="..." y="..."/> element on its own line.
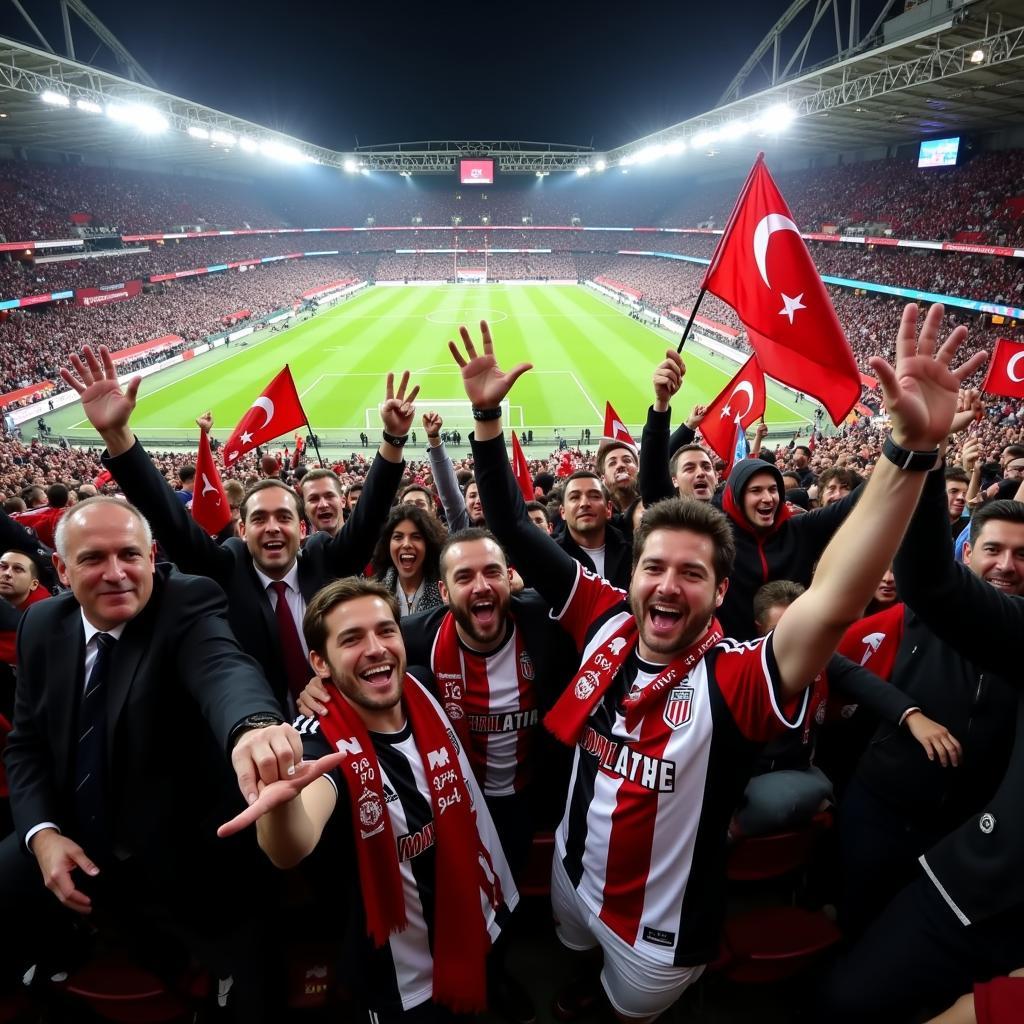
<point x="959" y="72"/>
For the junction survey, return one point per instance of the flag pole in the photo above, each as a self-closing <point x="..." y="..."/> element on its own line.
<point x="305" y="418"/>
<point x="718" y="249"/>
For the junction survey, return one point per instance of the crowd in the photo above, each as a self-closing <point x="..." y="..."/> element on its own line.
<point x="420" y="668"/>
<point x="36" y="341"/>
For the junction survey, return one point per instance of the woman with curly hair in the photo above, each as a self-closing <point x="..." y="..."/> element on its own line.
<point x="406" y="558"/>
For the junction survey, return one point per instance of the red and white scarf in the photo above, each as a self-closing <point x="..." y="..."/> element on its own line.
<point x="566" y="720"/>
<point x="460" y="933"/>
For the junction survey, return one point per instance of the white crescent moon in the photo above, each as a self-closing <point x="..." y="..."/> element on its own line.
<point x="766" y="227"/>
<point x="748" y="389"/>
<point x="1010" y="365"/>
<point x="267" y="406"/>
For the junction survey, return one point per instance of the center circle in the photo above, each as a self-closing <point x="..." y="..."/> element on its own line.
<point x="466" y="316"/>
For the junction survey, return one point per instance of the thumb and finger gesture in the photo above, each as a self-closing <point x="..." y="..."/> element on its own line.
<point x="278" y="793"/>
<point x="485" y="382"/>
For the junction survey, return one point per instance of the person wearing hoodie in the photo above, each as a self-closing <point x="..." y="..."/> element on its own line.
<point x="771" y="542"/>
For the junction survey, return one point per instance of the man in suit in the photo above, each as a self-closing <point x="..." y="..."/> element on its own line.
<point x="131" y="694"/>
<point x="589" y="536"/>
<point x="267" y="578"/>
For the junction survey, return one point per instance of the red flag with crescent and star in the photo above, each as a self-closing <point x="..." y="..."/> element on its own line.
<point x="277" y="411"/>
<point x="762" y="269"/>
<point x="1006" y="370"/>
<point x="736" y="406"/>
<point x="210" y="506"/>
<point x="614" y="429"/>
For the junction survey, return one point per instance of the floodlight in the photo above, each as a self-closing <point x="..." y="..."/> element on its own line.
<point x="733" y="130"/>
<point x="648" y="153"/>
<point x="198" y="133"/>
<point x="248" y="145"/>
<point x="222" y="138"/>
<point x="675" y="147"/>
<point x="146" y="119"/>
<point x="703" y="139"/>
<point x="89" y="107"/>
<point x="600" y="165"/>
<point x="978" y="57"/>
<point x="56" y="99"/>
<point x="350" y="165"/>
<point x="364" y="170"/>
<point x="778" y="117"/>
<point x="581" y="171"/>
<point x="628" y="161"/>
<point x="279" y="151"/>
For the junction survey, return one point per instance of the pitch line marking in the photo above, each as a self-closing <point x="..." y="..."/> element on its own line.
<point x="576" y="381"/>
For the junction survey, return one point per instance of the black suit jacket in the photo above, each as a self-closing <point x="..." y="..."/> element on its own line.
<point x="618" y="555"/>
<point x="179" y="686"/>
<point x="321" y="559"/>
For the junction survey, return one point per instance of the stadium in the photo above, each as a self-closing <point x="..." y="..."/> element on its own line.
<point x="208" y="251"/>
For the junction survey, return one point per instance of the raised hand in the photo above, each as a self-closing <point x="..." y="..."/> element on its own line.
<point x="968" y="409"/>
<point x="107" y="407"/>
<point x="921" y="392"/>
<point x="432" y="423"/>
<point x="668" y="379"/>
<point x="398" y="409"/>
<point x="205" y="422"/>
<point x="697" y="415"/>
<point x="485" y="382"/>
<point x="278" y="793"/>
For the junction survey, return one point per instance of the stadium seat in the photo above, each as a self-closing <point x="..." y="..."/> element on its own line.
<point x="776" y="855"/>
<point x="311" y="976"/>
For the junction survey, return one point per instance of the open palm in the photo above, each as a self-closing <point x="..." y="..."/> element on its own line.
<point x="485" y="382"/>
<point x="106" y="405"/>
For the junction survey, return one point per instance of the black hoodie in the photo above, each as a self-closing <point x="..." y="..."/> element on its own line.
<point x="787" y="550"/>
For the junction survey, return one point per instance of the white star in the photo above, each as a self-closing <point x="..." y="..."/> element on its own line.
<point x="726" y="412"/>
<point x="791" y="305"/>
<point x="247" y="437"/>
<point x="232" y="455"/>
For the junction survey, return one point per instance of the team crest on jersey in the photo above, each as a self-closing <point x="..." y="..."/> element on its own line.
<point x="678" y="707"/>
<point x="454" y="711"/>
<point x="526" y="666"/>
<point x="371" y="814"/>
<point x="586" y="685"/>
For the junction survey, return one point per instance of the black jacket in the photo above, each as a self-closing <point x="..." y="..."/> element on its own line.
<point x="789" y="550"/>
<point x="179" y="686"/>
<point x="320" y="560"/>
<point x="618" y="555"/>
<point x="656" y="448"/>
<point x="979" y="865"/>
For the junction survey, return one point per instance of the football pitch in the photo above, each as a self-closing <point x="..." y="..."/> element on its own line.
<point x="585" y="350"/>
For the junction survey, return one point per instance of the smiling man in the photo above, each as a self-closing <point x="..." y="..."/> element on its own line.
<point x="589" y="536"/>
<point x="666" y="715"/>
<point x="321" y="492"/>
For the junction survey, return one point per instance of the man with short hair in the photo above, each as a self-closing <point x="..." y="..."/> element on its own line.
<point x="957" y="484"/>
<point x="43" y="519"/>
<point x="132" y="693"/>
<point x="665" y="715"/>
<point x="617" y="468"/>
<point x="353" y="493"/>
<point x="266" y="577"/>
<point x="835" y="483"/>
<point x="802" y="465"/>
<point x="474" y="506"/>
<point x="321" y="494"/>
<point x="187" y="479"/>
<point x="538" y="513"/>
<point x="419" y="495"/>
<point x="693" y="473"/>
<point x="430" y="873"/>
<point x="589" y="537"/>
<point x="20" y="585"/>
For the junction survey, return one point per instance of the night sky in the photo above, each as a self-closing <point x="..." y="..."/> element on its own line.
<point x="395" y="71"/>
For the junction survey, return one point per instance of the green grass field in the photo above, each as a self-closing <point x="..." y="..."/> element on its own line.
<point x="584" y="350"/>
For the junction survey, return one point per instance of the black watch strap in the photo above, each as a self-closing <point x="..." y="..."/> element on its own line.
<point x="907" y="460"/>
<point x="260" y="720"/>
<point x="486" y="414"/>
<point x="398" y="441"/>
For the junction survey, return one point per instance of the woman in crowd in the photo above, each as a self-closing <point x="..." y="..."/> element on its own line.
<point x="406" y="559"/>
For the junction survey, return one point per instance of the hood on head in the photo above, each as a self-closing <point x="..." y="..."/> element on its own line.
<point x="736" y="484"/>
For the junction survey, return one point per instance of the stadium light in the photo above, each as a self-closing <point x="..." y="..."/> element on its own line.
<point x="675" y="147"/>
<point x="55" y="99"/>
<point x="601" y="165"/>
<point x="649" y="154"/>
<point x="581" y="171"/>
<point x="777" y="118"/>
<point x="543" y="174"/>
<point x="978" y="57"/>
<point x="222" y="138"/>
<point x="704" y="139"/>
<point x="279" y="151"/>
<point x="198" y="133"/>
<point x="350" y="165"/>
<point x="364" y="170"/>
<point x="147" y="119"/>
<point x="732" y="131"/>
<point x="248" y="145"/>
<point x="89" y="107"/>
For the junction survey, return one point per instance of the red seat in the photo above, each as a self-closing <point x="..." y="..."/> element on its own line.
<point x="773" y="856"/>
<point x="118" y="990"/>
<point x="773" y="943"/>
<point x="536" y="880"/>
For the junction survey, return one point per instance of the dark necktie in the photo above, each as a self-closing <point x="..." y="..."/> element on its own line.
<point x="296" y="665"/>
<point x="90" y="779"/>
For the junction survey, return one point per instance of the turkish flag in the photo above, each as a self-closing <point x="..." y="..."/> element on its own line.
<point x="762" y="268"/>
<point x="1006" y="370"/>
<point x="277" y="411"/>
<point x="210" y="508"/>
<point x="736" y="406"/>
<point x="521" y="470"/>
<point x="615" y="429"/>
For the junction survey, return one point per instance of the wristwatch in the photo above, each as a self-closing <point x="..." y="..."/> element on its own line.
<point x="907" y="460"/>
<point x="260" y="720"/>
<point x="486" y="414"/>
<point x="396" y="440"/>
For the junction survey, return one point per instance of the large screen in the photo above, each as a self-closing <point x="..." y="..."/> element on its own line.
<point x="939" y="152"/>
<point x="476" y="172"/>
